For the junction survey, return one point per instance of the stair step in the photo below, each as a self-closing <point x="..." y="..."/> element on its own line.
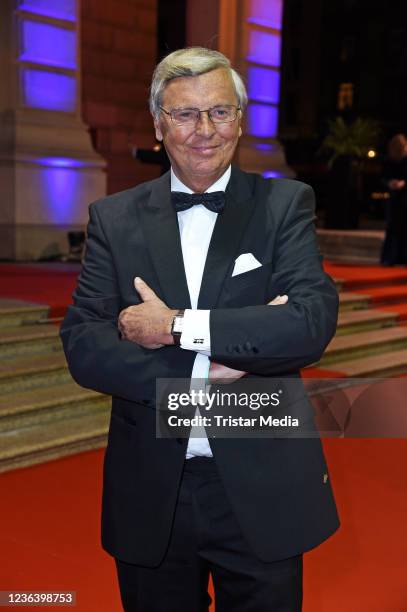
<point x="384" y="364"/>
<point x="355" y="278"/>
<point x="26" y="339"/>
<point x="338" y="282"/>
<point x="17" y="312"/>
<point x="47" y="441"/>
<point x="391" y="294"/>
<point x="352" y="346"/>
<point x="364" y="320"/>
<point x="352" y="301"/>
<point x="48" y="404"/>
<point x="30" y="371"/>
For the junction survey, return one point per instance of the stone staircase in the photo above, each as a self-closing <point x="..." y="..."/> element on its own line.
<point x="44" y="414"/>
<point x="370" y="342"/>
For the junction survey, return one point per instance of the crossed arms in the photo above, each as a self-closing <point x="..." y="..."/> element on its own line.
<point x="107" y="350"/>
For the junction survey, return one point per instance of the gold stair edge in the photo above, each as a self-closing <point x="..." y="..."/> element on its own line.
<point x="359" y="316"/>
<point x="36" y="458"/>
<point x="345" y="296"/>
<point x="22" y="309"/>
<point x="372" y="364"/>
<point x="55" y="442"/>
<point x="41" y="363"/>
<point x="366" y="339"/>
<point x="33" y="399"/>
<point x="25" y="333"/>
<point x="14" y="304"/>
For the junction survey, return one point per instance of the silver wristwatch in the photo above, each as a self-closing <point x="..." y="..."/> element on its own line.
<point x="176" y="327"/>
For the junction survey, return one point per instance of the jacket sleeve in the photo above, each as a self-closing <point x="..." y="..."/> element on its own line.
<point x="267" y="340"/>
<point x="97" y="357"/>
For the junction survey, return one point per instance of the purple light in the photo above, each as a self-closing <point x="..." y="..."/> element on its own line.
<point x="60" y="162"/>
<point x="48" y="90"/>
<point x="263" y="84"/>
<point x="60" y="9"/>
<point x="264" y="48"/>
<point x="60" y="187"/>
<point x="263" y="146"/>
<point x="272" y="174"/>
<point x="262" y="120"/>
<point x="47" y="44"/>
<point x="266" y="13"/>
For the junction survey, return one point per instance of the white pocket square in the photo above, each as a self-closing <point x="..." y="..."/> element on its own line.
<point x="245" y="263"/>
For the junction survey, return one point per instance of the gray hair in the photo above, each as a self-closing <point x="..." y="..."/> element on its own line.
<point x="191" y="61"/>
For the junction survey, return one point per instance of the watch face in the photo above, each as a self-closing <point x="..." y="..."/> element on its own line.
<point x="177" y="325"/>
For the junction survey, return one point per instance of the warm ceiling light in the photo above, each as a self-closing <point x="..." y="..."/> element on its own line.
<point x="371" y="153"/>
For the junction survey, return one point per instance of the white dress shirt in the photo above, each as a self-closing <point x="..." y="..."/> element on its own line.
<point x="196" y="226"/>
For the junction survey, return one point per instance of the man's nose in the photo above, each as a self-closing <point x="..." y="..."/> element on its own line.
<point x="204" y="124"/>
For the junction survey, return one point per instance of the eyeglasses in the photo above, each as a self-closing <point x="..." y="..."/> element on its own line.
<point x="225" y="113"/>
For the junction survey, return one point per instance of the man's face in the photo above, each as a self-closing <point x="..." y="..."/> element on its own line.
<point x="199" y="153"/>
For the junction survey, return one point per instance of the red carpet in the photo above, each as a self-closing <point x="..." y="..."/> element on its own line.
<point x="358" y="276"/>
<point x="50" y="284"/>
<point x="401" y="310"/>
<point x="50" y="536"/>
<point x="50" y="516"/>
<point x="381" y="295"/>
<point x="313" y="372"/>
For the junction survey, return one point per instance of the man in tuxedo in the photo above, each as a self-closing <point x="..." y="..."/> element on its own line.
<point x="205" y="273"/>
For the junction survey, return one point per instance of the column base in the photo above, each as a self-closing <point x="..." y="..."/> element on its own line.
<point x="35" y="242"/>
<point x="42" y="200"/>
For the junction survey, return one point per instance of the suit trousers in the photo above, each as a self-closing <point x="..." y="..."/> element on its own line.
<point x="206" y="539"/>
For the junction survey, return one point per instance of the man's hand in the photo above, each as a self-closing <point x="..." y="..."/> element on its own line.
<point x="217" y="371"/>
<point x="149" y="323"/>
<point x="279" y="300"/>
<point x="223" y="374"/>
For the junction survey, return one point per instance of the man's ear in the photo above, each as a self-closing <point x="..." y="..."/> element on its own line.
<point x="158" y="132"/>
<point x="240" y="131"/>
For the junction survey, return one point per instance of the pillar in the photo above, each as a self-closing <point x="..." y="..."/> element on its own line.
<point x="49" y="171"/>
<point x="249" y="33"/>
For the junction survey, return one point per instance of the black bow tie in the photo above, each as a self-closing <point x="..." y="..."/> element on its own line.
<point x="214" y="201"/>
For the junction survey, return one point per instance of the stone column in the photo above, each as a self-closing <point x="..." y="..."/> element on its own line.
<point x="249" y="33"/>
<point x="49" y="171"/>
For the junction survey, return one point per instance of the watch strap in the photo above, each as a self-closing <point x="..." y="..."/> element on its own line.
<point x="176" y="334"/>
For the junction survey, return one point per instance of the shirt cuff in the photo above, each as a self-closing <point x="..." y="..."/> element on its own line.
<point x="195" y="331"/>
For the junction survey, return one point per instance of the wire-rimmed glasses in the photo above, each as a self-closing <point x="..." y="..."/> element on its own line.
<point x="223" y="113"/>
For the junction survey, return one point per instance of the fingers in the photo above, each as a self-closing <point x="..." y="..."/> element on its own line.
<point x="223" y="374"/>
<point x="279" y="300"/>
<point x="146" y="293"/>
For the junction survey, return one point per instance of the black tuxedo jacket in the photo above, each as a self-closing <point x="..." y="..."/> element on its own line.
<point x="278" y="487"/>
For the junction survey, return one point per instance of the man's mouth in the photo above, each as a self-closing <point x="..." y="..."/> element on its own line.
<point x="205" y="149"/>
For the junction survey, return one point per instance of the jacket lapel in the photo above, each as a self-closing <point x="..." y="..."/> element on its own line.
<point x="160" y="224"/>
<point x="227" y="234"/>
